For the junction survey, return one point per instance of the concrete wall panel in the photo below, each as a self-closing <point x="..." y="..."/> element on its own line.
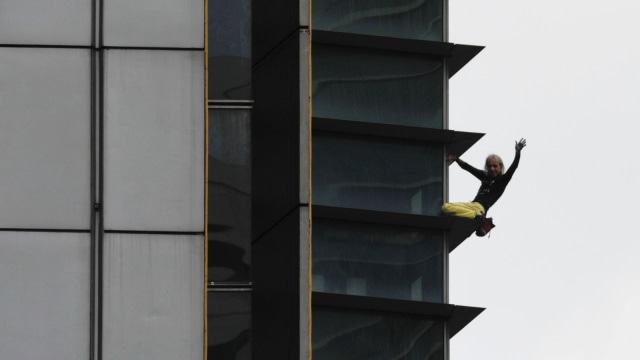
<point x="44" y="297"/>
<point x="45" y="108"/>
<point x="152" y="23"/>
<point x="154" y="140"/>
<point x="36" y="22"/>
<point x="154" y="297"/>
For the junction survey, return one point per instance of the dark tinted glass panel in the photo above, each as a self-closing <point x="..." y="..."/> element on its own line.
<point x="230" y="49"/>
<point x="368" y="336"/>
<point x="229" y="195"/>
<point x="378" y="261"/>
<point x="411" y="19"/>
<point x="229" y="325"/>
<point x="377" y="86"/>
<point x="383" y="175"/>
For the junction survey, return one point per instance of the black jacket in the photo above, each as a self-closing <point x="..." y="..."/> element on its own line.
<point x="491" y="187"/>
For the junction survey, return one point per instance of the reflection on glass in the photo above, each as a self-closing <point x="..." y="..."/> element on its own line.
<point x="229" y="195"/>
<point x="411" y="19"/>
<point x="377" y="86"/>
<point x="383" y="175"/>
<point x="230" y="50"/>
<point x="229" y="325"/>
<point x="377" y="261"/>
<point x="365" y="336"/>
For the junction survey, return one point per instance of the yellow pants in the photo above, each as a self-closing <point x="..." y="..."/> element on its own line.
<point x="467" y="210"/>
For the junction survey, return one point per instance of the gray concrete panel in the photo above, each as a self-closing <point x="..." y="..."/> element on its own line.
<point x="152" y="23"/>
<point x="44" y="297"/>
<point x="154" y="140"/>
<point x="305" y="117"/>
<point x="45" y="140"/>
<point x="153" y="296"/>
<point x="36" y="22"/>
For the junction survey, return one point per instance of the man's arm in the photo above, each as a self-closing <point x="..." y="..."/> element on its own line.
<point x="514" y="165"/>
<point x="473" y="171"/>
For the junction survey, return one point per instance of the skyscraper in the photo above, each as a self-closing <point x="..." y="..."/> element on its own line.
<point x="349" y="140"/>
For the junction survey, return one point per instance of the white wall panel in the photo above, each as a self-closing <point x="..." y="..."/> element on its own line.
<point x="153" y="297"/>
<point x="60" y="22"/>
<point x="45" y="138"/>
<point x="154" y="140"/>
<point x="153" y="23"/>
<point x="44" y="295"/>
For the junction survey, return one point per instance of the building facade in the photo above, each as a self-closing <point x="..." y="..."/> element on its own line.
<point x="227" y="179"/>
<point x="350" y="136"/>
<point x="102" y="125"/>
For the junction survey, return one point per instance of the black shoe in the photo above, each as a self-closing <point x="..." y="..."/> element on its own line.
<point x="486" y="226"/>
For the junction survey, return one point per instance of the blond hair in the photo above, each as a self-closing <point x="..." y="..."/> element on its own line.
<point x="496" y="158"/>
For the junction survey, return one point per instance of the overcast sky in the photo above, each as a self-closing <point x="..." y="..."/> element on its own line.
<point x="560" y="274"/>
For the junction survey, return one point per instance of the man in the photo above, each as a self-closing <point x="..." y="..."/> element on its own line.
<point x="493" y="182"/>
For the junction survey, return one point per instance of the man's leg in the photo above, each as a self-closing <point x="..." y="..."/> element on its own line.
<point x="464" y="210"/>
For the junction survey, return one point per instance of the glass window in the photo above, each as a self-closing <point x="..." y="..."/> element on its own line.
<point x="377" y="86"/>
<point x="378" y="261"/>
<point x="411" y="19"/>
<point x="370" y="336"/>
<point x="230" y="50"/>
<point x="229" y="195"/>
<point x="384" y="175"/>
<point x="229" y="328"/>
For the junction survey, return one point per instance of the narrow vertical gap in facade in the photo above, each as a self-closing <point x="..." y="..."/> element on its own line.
<point x="99" y="206"/>
<point x="445" y="268"/>
<point x="309" y="160"/>
<point x="205" y="334"/>
<point x="92" y="188"/>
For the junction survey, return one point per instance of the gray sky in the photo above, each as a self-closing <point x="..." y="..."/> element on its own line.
<point x="559" y="274"/>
